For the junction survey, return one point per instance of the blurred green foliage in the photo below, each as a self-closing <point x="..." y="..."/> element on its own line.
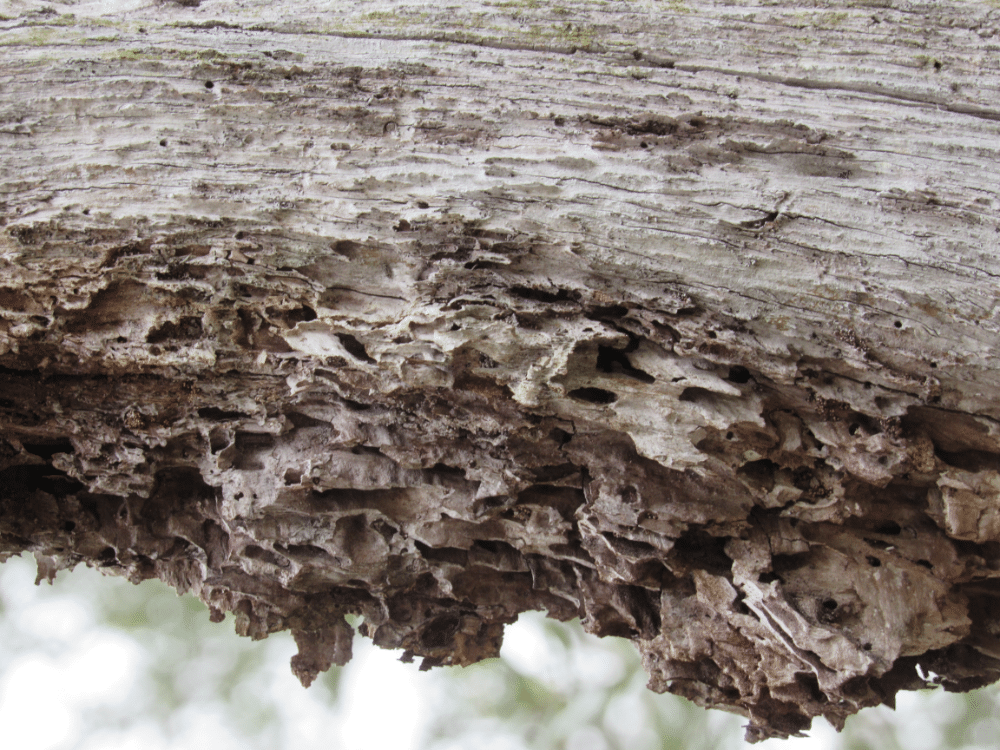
<point x="555" y="687"/>
<point x="574" y="691"/>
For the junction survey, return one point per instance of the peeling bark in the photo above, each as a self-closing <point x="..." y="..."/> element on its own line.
<point x="679" y="320"/>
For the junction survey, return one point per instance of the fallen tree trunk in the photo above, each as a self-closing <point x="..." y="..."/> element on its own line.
<point x="678" y="320"/>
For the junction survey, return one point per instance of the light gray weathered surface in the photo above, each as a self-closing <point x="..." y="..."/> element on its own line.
<point x="680" y="318"/>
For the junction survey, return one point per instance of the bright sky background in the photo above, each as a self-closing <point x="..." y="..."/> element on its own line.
<point x="45" y="694"/>
<point x="59" y="664"/>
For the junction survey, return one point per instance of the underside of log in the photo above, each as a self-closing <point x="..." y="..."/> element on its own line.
<point x="680" y="319"/>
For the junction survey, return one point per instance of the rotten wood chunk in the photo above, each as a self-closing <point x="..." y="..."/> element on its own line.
<point x="684" y="329"/>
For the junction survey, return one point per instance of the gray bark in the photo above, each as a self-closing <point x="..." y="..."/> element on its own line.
<point x="678" y="318"/>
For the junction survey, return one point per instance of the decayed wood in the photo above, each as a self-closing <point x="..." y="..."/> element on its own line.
<point x="676" y="317"/>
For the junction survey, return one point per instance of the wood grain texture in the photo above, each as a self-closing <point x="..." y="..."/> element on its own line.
<point x="676" y="317"/>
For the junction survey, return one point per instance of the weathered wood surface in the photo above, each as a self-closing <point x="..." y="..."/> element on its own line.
<point x="677" y="317"/>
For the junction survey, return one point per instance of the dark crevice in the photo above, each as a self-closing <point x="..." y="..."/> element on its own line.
<point x="593" y="395"/>
<point x="300" y="420"/>
<point x="555" y="472"/>
<point x="215" y="414"/>
<point x="443" y="470"/>
<point x="265" y="556"/>
<point x="889" y="528"/>
<point x="540" y="295"/>
<point x="617" y="362"/>
<point x="494" y="547"/>
<point x="354" y="347"/>
<point x="759" y="474"/>
<point x="698" y="395"/>
<point x="440" y="632"/>
<point x="386" y="530"/>
<point x="970" y="460"/>
<point x="19" y="482"/>
<point x="290" y="318"/>
<point x="560" y="436"/>
<point x="878" y="543"/>
<point x="697" y="549"/>
<point x="759" y="223"/>
<point x="185" y="329"/>
<point x="738" y="374"/>
<point x="355" y="405"/>
<point x="307" y="554"/>
<point x="47" y="450"/>
<point x="218" y="439"/>
<point x="612" y="312"/>
<point x="485" y="504"/>
<point x="180" y="483"/>
<point x="566" y="500"/>
<point x="442" y="554"/>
